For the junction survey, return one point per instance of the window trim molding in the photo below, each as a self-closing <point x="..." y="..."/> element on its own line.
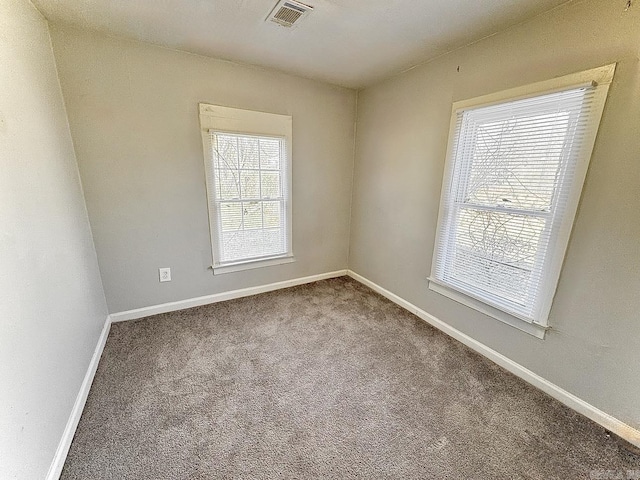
<point x="254" y="263"/>
<point x="602" y="77"/>
<point x="239" y="121"/>
<point x="533" y="328"/>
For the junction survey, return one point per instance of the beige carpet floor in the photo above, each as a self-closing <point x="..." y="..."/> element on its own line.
<point x="326" y="380"/>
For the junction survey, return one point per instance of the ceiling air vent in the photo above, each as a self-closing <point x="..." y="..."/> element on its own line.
<point x="288" y="12"/>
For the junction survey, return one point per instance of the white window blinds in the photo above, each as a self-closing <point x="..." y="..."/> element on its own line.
<point x="250" y="196"/>
<point x="513" y="179"/>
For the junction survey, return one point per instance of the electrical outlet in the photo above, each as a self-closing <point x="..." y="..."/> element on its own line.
<point x="165" y="274"/>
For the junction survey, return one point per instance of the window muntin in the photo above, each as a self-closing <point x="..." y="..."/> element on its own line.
<point x="514" y="173"/>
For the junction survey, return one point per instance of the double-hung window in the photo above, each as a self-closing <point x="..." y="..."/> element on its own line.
<point x="248" y="167"/>
<point x="515" y="167"/>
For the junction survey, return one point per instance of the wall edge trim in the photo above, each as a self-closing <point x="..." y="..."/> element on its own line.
<point x="609" y="422"/>
<point x="60" y="456"/>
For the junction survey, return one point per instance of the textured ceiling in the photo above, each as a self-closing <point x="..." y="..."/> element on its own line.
<point x="347" y="42"/>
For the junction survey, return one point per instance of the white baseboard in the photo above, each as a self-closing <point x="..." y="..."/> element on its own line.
<point x="67" y="436"/>
<point x="610" y="423"/>
<point x="219" y="297"/>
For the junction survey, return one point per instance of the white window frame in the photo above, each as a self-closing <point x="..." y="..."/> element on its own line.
<point x="602" y="77"/>
<point x="248" y="122"/>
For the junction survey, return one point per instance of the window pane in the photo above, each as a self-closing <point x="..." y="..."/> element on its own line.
<point x="232" y="245"/>
<point x="252" y="243"/>
<point x="227" y="185"/>
<point x="252" y="212"/>
<point x="250" y="182"/>
<point x="496" y="251"/>
<point x="230" y="216"/>
<point x="273" y="241"/>
<point x="272" y="214"/>
<point x="225" y="151"/>
<point x="248" y="152"/>
<point x="270" y="153"/>
<point x="516" y="161"/>
<point x="270" y="184"/>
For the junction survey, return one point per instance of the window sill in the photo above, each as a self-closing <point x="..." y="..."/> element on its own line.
<point x="249" y="264"/>
<point x="535" y="329"/>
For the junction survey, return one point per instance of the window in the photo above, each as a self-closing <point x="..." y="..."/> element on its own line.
<point x="515" y="167"/>
<point x="248" y="165"/>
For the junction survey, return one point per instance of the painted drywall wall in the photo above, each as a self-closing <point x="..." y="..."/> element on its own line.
<point x="133" y="111"/>
<point x="593" y="349"/>
<point x="52" y="307"/>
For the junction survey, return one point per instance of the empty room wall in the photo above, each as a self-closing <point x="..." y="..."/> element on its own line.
<point x="133" y="111"/>
<point x="593" y="348"/>
<point x="52" y="308"/>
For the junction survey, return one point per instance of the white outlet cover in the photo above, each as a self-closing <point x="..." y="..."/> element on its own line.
<point x="165" y="274"/>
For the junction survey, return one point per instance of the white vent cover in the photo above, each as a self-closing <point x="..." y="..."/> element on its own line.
<point x="288" y="12"/>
